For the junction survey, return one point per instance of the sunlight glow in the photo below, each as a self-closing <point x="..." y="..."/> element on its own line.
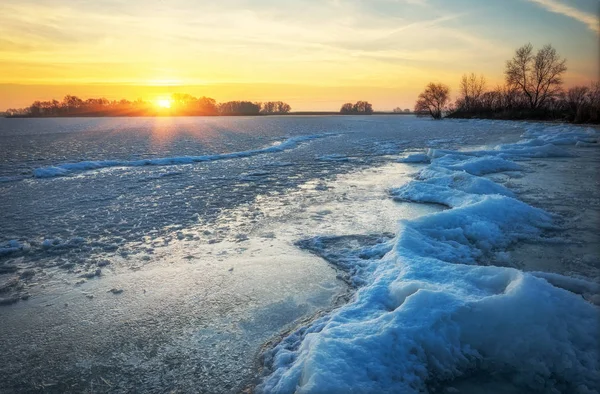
<point x="164" y="103"/>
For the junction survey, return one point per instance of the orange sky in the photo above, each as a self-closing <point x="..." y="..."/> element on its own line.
<point x="313" y="54"/>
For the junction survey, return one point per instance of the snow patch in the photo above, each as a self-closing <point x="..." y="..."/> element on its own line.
<point x="425" y="313"/>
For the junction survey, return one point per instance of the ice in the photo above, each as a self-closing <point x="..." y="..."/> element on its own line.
<point x="415" y="158"/>
<point x="428" y="314"/>
<point x="334" y="157"/>
<point x="57" y="243"/>
<point x="477" y="165"/>
<point x="583" y="144"/>
<point x="11" y="247"/>
<point x="542" y="141"/>
<point x="462" y="181"/>
<point x="70" y="168"/>
<point x="189" y="241"/>
<point x="574" y="285"/>
<point x="561" y="135"/>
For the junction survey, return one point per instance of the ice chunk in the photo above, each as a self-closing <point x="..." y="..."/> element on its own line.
<point x="415" y="158"/>
<point x="11" y="247"/>
<point x="69" y="168"/>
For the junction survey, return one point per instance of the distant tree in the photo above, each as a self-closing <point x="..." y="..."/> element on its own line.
<point x="470" y="89"/>
<point x="72" y="103"/>
<point x="397" y="110"/>
<point x="239" y="108"/>
<point x="362" y="108"/>
<point x="406" y="110"/>
<point x="594" y="100"/>
<point x="347" y="109"/>
<point x="576" y="99"/>
<point x="359" y="108"/>
<point x="283" y="108"/>
<point x="539" y="76"/>
<point x="207" y="106"/>
<point x="433" y="100"/>
<point x="268" y="107"/>
<point x="275" y="107"/>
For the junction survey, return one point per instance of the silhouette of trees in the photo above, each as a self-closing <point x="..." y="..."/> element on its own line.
<point x="363" y="107"/>
<point x="359" y="108"/>
<point x="532" y="90"/>
<point x="347" y="109"/>
<point x="185" y="104"/>
<point x="181" y="104"/>
<point x="471" y="89"/>
<point x="433" y="100"/>
<point x="239" y="108"/>
<point x="275" y="107"/>
<point x="538" y="76"/>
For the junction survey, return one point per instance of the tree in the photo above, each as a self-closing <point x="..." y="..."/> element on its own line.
<point x="538" y="76"/>
<point x="347" y="109"/>
<point x="239" y="108"/>
<point x="433" y="100"/>
<point x="576" y="99"/>
<point x="283" y="108"/>
<point x="471" y="88"/>
<point x="275" y="107"/>
<point x="363" y="108"/>
<point x="359" y="108"/>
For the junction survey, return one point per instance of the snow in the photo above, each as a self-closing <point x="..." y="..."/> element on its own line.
<point x="541" y="141"/>
<point x="426" y="314"/>
<point x="477" y="165"/>
<point x="415" y="158"/>
<point x="70" y="168"/>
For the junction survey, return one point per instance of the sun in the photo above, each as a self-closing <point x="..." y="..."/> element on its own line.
<point x="164" y="103"/>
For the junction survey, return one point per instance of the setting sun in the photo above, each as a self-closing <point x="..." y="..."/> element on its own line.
<point x="164" y="102"/>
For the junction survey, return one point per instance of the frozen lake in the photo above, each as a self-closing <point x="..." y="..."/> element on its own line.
<point x="160" y="254"/>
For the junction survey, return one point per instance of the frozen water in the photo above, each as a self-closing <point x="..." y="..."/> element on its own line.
<point x="70" y="168"/>
<point x="426" y="314"/>
<point x="173" y="276"/>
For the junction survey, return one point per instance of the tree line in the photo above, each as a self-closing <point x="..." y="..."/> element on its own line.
<point x="358" y="108"/>
<point x="180" y="104"/>
<point x="532" y="90"/>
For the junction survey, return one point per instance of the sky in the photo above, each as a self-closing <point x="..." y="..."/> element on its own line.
<point x="313" y="54"/>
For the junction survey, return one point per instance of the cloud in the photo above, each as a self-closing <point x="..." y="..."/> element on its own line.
<point x="590" y="20"/>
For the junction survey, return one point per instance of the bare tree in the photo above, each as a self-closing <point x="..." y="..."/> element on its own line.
<point x="346" y="108"/>
<point x="359" y="108"/>
<point x="576" y="99"/>
<point x="471" y="89"/>
<point x="594" y="100"/>
<point x="283" y="108"/>
<point x="538" y="76"/>
<point x="362" y="107"/>
<point x="433" y="100"/>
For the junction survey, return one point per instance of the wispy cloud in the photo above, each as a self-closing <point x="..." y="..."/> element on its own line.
<point x="590" y="20"/>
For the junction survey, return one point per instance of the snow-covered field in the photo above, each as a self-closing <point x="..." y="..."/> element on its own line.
<point x="308" y="254"/>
